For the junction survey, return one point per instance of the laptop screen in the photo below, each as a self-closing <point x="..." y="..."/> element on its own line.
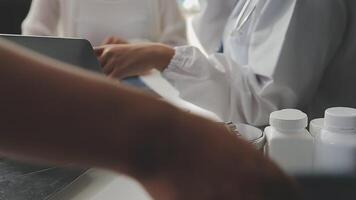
<point x="73" y="51"/>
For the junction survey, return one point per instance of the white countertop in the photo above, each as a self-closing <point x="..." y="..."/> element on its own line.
<point x="103" y="185"/>
<point x="162" y="87"/>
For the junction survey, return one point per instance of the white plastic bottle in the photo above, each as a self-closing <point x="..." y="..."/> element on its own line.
<point x="289" y="143"/>
<point x="336" y="145"/>
<point x="316" y="126"/>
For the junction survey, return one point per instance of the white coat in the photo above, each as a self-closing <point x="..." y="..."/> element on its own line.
<point x="278" y="54"/>
<point x="209" y="24"/>
<point x="132" y="20"/>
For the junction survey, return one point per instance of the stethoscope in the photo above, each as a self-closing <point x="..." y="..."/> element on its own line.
<point x="244" y="16"/>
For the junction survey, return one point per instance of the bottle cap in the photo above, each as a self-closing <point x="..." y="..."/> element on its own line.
<point x="340" y="118"/>
<point x="289" y="119"/>
<point x="316" y="126"/>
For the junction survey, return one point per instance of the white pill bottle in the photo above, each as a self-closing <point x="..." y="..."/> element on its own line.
<point x="335" y="151"/>
<point x="316" y="126"/>
<point x="289" y="143"/>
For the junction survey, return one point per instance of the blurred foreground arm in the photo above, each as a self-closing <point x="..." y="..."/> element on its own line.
<point x="51" y="112"/>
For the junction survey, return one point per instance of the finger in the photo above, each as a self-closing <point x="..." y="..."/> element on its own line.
<point x="107" y="55"/>
<point x="118" y="74"/>
<point x="109" y="40"/>
<point x="124" y="71"/>
<point x="145" y="72"/>
<point x="115" y="41"/>
<point x="120" y="41"/>
<point x="99" y="50"/>
<point x="109" y="67"/>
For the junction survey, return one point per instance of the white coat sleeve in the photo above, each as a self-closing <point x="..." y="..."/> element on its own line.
<point x="172" y="23"/>
<point x="286" y="65"/>
<point x="42" y="18"/>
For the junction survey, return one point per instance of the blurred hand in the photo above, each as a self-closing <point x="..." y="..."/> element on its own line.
<point x="114" y="40"/>
<point x="122" y="61"/>
<point x="204" y="161"/>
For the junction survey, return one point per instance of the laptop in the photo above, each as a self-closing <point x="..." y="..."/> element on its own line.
<point x="28" y="181"/>
<point x="75" y="51"/>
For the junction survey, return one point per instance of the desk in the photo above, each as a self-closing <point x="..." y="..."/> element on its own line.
<point x="102" y="185"/>
<point x="162" y="87"/>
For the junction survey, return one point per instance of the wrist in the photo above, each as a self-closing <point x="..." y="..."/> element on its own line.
<point x="163" y="56"/>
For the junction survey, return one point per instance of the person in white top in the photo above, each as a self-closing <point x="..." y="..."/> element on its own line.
<point x="108" y="21"/>
<point x="277" y="54"/>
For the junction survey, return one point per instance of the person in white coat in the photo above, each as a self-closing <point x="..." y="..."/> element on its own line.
<point x="277" y="54"/>
<point x="103" y="21"/>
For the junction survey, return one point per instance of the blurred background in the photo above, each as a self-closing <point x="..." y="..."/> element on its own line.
<point x="189" y="6"/>
<point x="12" y="13"/>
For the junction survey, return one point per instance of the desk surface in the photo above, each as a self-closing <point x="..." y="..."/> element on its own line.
<point x="164" y="89"/>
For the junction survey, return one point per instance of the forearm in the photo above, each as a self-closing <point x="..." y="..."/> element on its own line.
<point x="47" y="110"/>
<point x="160" y="56"/>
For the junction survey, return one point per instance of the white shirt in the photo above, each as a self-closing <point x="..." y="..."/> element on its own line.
<point x="278" y="54"/>
<point x="147" y="20"/>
